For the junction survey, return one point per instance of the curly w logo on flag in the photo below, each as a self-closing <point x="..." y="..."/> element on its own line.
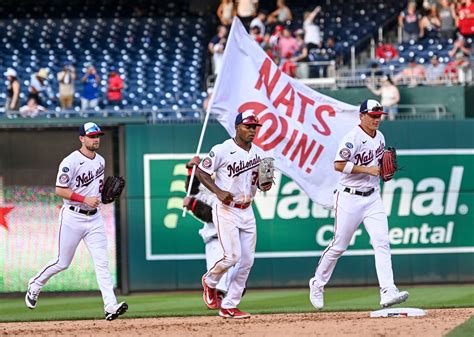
<point x="301" y="128"/>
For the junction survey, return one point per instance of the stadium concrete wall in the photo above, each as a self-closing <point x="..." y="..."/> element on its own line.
<point x="430" y="205"/>
<point x="457" y="100"/>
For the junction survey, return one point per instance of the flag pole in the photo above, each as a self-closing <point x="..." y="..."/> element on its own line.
<point x="198" y="150"/>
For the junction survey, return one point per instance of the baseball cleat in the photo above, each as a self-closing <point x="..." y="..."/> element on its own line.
<point x="31" y="298"/>
<point x="114" y="311"/>
<point x="392" y="296"/>
<point x="316" y="295"/>
<point x="209" y="295"/>
<point x="233" y="313"/>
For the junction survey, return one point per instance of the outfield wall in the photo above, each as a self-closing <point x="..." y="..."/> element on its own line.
<point x="430" y="206"/>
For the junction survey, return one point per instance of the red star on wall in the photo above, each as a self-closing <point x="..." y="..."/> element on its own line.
<point x="3" y="212"/>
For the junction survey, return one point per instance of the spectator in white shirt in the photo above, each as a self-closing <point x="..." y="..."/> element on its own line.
<point x="312" y="34"/>
<point x="258" y="21"/>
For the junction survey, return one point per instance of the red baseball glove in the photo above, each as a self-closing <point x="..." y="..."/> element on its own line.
<point x="388" y="164"/>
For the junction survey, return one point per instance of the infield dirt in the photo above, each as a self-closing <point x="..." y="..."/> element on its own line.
<point x="437" y="322"/>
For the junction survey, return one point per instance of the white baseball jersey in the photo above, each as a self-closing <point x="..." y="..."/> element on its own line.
<point x="81" y="174"/>
<point x="364" y="150"/>
<point x="236" y="169"/>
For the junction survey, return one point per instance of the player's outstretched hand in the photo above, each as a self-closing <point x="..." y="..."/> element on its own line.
<point x="92" y="201"/>
<point x="225" y="196"/>
<point x="373" y="170"/>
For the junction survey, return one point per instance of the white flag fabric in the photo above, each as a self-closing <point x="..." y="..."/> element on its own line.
<point x="301" y="127"/>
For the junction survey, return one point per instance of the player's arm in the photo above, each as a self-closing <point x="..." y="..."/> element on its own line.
<point x="348" y="167"/>
<point x="207" y="181"/>
<point x="67" y="193"/>
<point x="200" y="209"/>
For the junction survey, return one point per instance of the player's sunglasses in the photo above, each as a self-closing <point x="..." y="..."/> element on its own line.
<point x="93" y="129"/>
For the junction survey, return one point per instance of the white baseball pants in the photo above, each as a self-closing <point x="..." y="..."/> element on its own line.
<point x="351" y="210"/>
<point x="214" y="253"/>
<point x="73" y="228"/>
<point x="237" y="233"/>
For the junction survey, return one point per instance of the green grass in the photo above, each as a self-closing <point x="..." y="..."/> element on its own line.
<point x="464" y="330"/>
<point x="256" y="301"/>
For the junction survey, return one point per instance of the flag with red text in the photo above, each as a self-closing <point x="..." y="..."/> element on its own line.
<point x="301" y="127"/>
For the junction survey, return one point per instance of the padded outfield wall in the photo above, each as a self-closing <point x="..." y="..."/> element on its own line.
<point x="430" y="206"/>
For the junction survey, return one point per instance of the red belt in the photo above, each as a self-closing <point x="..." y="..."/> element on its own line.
<point x="236" y="205"/>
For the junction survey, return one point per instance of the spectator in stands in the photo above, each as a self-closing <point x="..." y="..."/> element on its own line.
<point x="282" y="15"/>
<point x="447" y="17"/>
<point x="255" y="34"/>
<point x="312" y="34"/>
<point x="412" y="75"/>
<point x="409" y="20"/>
<point x="246" y="10"/>
<point x="39" y="86"/>
<point x="32" y="108"/>
<point x="218" y="55"/>
<point x="216" y="48"/>
<point x="114" y="89"/>
<point x="456" y="69"/>
<point x="90" y="90"/>
<point x="434" y="72"/>
<point x="333" y="51"/>
<point x="287" y="45"/>
<point x="225" y="12"/>
<point x="66" y="78"/>
<point x="466" y="19"/>
<point x="460" y="45"/>
<point x="300" y="57"/>
<point x="385" y="51"/>
<point x="390" y="96"/>
<point x="12" y="104"/>
<point x="271" y="41"/>
<point x="430" y="25"/>
<point x="259" y="21"/>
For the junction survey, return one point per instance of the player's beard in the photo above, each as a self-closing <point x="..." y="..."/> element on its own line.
<point x="93" y="147"/>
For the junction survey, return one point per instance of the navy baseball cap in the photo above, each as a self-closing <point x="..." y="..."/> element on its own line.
<point x="90" y="129"/>
<point x="371" y="107"/>
<point x="247" y="118"/>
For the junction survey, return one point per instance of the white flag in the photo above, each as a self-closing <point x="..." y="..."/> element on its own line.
<point x="301" y="127"/>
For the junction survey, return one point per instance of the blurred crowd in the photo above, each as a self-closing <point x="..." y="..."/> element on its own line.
<point x="39" y="91"/>
<point x="272" y="30"/>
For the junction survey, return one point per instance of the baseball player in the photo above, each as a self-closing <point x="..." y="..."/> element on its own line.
<point x="235" y="164"/>
<point x="357" y="199"/>
<point x="200" y="203"/>
<point x="79" y="182"/>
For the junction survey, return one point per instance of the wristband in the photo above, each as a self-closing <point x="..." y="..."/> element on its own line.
<point x="194" y="204"/>
<point x="77" y="197"/>
<point x="348" y="167"/>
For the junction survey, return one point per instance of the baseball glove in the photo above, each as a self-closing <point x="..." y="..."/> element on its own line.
<point x="388" y="164"/>
<point x="113" y="187"/>
<point x="266" y="173"/>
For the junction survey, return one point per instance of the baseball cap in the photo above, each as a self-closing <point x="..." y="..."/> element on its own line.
<point x="90" y="129"/>
<point x="43" y="73"/>
<point x="247" y="118"/>
<point x="10" y="72"/>
<point x="371" y="107"/>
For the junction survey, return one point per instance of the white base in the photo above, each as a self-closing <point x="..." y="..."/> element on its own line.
<point x="398" y="312"/>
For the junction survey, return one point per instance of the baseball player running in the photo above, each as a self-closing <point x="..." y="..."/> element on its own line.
<point x="235" y="164"/>
<point x="79" y="182"/>
<point x="200" y="203"/>
<point x="357" y="200"/>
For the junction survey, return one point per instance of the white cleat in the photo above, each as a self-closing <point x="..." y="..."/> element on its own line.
<point x="316" y="295"/>
<point x="114" y="311"/>
<point x="31" y="298"/>
<point x="392" y="296"/>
